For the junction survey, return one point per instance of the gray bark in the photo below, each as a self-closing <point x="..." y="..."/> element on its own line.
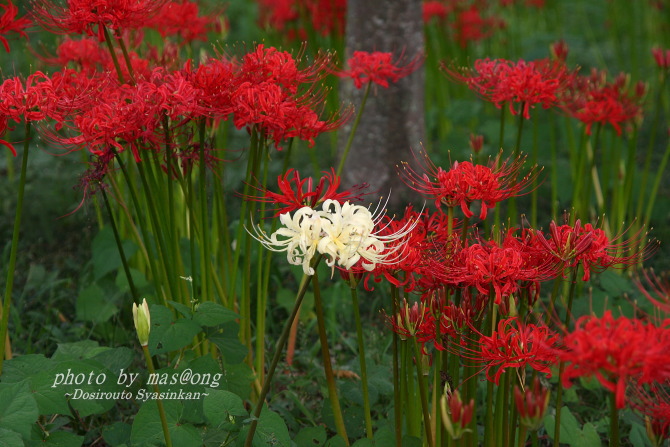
<point x="393" y="119"/>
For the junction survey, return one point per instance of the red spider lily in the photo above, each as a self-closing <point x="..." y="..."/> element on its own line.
<point x="296" y="192"/>
<point x="378" y="68"/>
<point x="616" y="351"/>
<point x="128" y="114"/>
<point x="264" y="95"/>
<point x="653" y="402"/>
<point x="454" y="321"/>
<point x="531" y="404"/>
<point x="466" y="182"/>
<point x="476" y="143"/>
<point x="410" y="252"/>
<point x="593" y="100"/>
<point x="657" y="290"/>
<point x="525" y="83"/>
<point x="559" y="51"/>
<point x="267" y="64"/>
<point x="455" y="415"/>
<point x="413" y="321"/>
<point x="9" y="23"/>
<point x="181" y="18"/>
<point x="471" y="26"/>
<point x="86" y="53"/>
<point x="327" y="16"/>
<point x="31" y="101"/>
<point x="662" y="57"/>
<point x="82" y="16"/>
<point x="514" y="344"/>
<point x="572" y="245"/>
<point x="435" y="10"/>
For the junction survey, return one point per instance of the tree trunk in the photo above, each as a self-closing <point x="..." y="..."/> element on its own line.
<point x="393" y="120"/>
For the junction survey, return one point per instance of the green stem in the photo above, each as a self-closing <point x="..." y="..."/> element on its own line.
<point x="361" y="356"/>
<point x="119" y="247"/>
<point x="561" y="365"/>
<point x="327" y="365"/>
<point x="423" y="392"/>
<point x="112" y="53"/>
<point x="614" y="422"/>
<point x="397" y="397"/>
<point x="306" y="279"/>
<point x="159" y="402"/>
<point x="9" y="285"/>
<point x="126" y="56"/>
<point x="354" y="126"/>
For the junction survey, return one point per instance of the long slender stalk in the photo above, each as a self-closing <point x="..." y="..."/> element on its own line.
<point x="423" y="391"/>
<point x="561" y="366"/>
<point x="278" y="353"/>
<point x="119" y="247"/>
<point x="11" y="266"/>
<point x="397" y="396"/>
<point x="614" y="422"/>
<point x="327" y="365"/>
<point x="361" y="356"/>
<point x="354" y="126"/>
<point x="159" y="402"/>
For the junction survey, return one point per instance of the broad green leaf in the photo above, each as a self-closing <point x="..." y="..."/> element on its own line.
<point x="168" y="334"/>
<point x="78" y="350"/>
<point x="213" y="314"/>
<point x="270" y="431"/>
<point x="94" y="306"/>
<point x="24" y="366"/>
<point x="117" y="433"/>
<point x="224" y="408"/>
<point x="335" y="441"/>
<point x="148" y="430"/>
<point x="226" y="339"/>
<point x="588" y="436"/>
<point x="18" y="411"/>
<point x="311" y="437"/>
<point x="62" y="439"/>
<point x="570" y="428"/>
<point x="115" y="359"/>
<point x="9" y="438"/>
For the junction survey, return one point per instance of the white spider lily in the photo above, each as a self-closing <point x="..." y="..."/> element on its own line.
<point x="345" y="233"/>
<point x="348" y="235"/>
<point x="298" y="237"/>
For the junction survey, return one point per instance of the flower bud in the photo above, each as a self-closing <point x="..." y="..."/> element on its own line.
<point x="456" y="416"/>
<point x="532" y="404"/>
<point x="142" y="319"/>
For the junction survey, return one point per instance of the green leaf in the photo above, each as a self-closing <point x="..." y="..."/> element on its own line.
<point x="363" y="442"/>
<point x="18" y="411"/>
<point x="270" y="431"/>
<point x="588" y="436"/>
<point x="116" y="434"/>
<point x="226" y="339"/>
<point x="148" y="430"/>
<point x="168" y="334"/>
<point x="311" y="437"/>
<point x="115" y="359"/>
<point x="335" y="441"/>
<point x="213" y="314"/>
<point x="77" y="350"/>
<point x="570" y="428"/>
<point x="106" y="254"/>
<point x="223" y="407"/>
<point x="94" y="306"/>
<point x="9" y="438"/>
<point x="184" y="310"/>
<point x="62" y="439"/>
<point x="24" y="366"/>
